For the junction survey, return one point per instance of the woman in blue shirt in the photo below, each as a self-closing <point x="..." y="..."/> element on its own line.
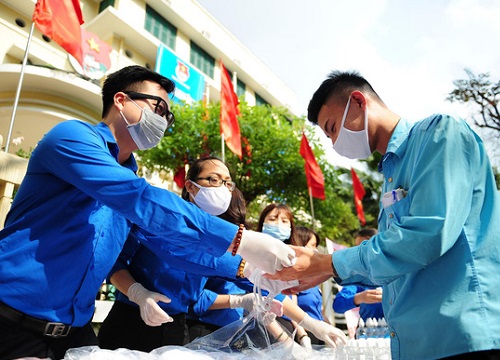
<point x="155" y="294"/>
<point x="277" y="221"/>
<point x="310" y="300"/>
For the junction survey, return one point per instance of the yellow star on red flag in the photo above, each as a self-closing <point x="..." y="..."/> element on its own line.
<point x="93" y="45"/>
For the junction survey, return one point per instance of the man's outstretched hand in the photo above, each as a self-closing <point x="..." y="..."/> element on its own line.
<point x="311" y="268"/>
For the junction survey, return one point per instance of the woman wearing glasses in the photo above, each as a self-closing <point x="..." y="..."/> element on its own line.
<point x="157" y="293"/>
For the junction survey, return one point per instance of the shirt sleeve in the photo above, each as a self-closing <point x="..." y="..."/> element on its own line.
<point x="436" y="172"/>
<point x="203" y="303"/>
<point x="81" y="157"/>
<point x="344" y="299"/>
<point x="188" y="259"/>
<point x="127" y="253"/>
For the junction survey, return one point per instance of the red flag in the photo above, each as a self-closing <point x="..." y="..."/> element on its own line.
<point x="180" y="176"/>
<point x="315" y="179"/>
<point x="248" y="153"/>
<point x="60" y="20"/>
<point x="359" y="194"/>
<point x="97" y="49"/>
<point x="228" y="113"/>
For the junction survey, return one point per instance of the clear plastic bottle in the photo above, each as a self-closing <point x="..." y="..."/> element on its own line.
<point x="371" y="326"/>
<point x="384" y="329"/>
<point x="361" y="330"/>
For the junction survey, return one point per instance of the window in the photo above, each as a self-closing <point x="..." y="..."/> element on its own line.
<point x="240" y="88"/>
<point x="160" y="28"/>
<point x="202" y="60"/>
<point x="259" y="100"/>
<point x="104" y="4"/>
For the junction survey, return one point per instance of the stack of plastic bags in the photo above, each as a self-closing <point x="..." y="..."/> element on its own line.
<point x="257" y="336"/>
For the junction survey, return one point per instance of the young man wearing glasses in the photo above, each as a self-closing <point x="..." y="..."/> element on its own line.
<point x="75" y="208"/>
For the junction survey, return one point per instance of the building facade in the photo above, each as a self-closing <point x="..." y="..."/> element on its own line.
<point x="54" y="90"/>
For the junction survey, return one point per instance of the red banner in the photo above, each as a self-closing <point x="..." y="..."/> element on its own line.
<point x="229" y="112"/>
<point x="180" y="176"/>
<point x="96" y="48"/>
<point x="359" y="194"/>
<point x="314" y="175"/>
<point x="60" y="20"/>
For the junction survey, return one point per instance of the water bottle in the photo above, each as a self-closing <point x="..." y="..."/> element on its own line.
<point x="361" y="330"/>
<point x="384" y="329"/>
<point x="371" y="327"/>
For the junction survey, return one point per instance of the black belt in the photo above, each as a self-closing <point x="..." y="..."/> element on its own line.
<point x="42" y="327"/>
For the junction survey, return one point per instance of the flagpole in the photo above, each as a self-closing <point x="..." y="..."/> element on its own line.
<point x="222" y="146"/>
<point x="18" y="92"/>
<point x="312" y="208"/>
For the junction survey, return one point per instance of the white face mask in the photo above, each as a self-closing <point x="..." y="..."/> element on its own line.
<point x="213" y="200"/>
<point x="353" y="144"/>
<point x="148" y="132"/>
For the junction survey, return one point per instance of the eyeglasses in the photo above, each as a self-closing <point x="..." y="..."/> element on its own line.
<point x="161" y="106"/>
<point x="217" y="182"/>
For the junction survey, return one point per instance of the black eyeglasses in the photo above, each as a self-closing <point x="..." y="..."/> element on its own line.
<point x="161" y="106"/>
<point x="217" y="182"/>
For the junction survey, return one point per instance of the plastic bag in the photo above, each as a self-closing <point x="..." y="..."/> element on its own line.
<point x="258" y="335"/>
<point x="254" y="336"/>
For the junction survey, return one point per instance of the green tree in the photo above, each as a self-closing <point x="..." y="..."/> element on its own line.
<point x="271" y="170"/>
<point x="479" y="90"/>
<point x="483" y="94"/>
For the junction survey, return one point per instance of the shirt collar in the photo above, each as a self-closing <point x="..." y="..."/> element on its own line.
<point x="397" y="144"/>
<point x="105" y="132"/>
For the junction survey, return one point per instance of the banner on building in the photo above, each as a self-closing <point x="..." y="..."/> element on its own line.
<point x="96" y="56"/>
<point x="189" y="82"/>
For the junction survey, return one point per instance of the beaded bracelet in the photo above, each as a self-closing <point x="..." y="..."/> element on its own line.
<point x="240" y="269"/>
<point x="237" y="242"/>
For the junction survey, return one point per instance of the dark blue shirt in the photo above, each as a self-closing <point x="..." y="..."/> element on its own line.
<point x="311" y="301"/>
<point x="178" y="273"/>
<point x="344" y="301"/>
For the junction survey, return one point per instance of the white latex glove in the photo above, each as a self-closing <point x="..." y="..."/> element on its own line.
<point x="151" y="313"/>
<point x="244" y="301"/>
<point x="323" y="331"/>
<point x="299" y="352"/>
<point x="305" y="342"/>
<point x="265" y="252"/>
<point x="247" y="301"/>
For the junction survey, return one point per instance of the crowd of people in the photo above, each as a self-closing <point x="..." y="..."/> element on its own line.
<point x="183" y="266"/>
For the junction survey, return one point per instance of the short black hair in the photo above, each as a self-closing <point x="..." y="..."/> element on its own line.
<point x="339" y="83"/>
<point x="130" y="78"/>
<point x="367" y="232"/>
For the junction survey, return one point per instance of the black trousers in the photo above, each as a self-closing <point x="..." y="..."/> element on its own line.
<point x="479" y="355"/>
<point x="199" y="329"/>
<point x="17" y="342"/>
<point x="124" y="328"/>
